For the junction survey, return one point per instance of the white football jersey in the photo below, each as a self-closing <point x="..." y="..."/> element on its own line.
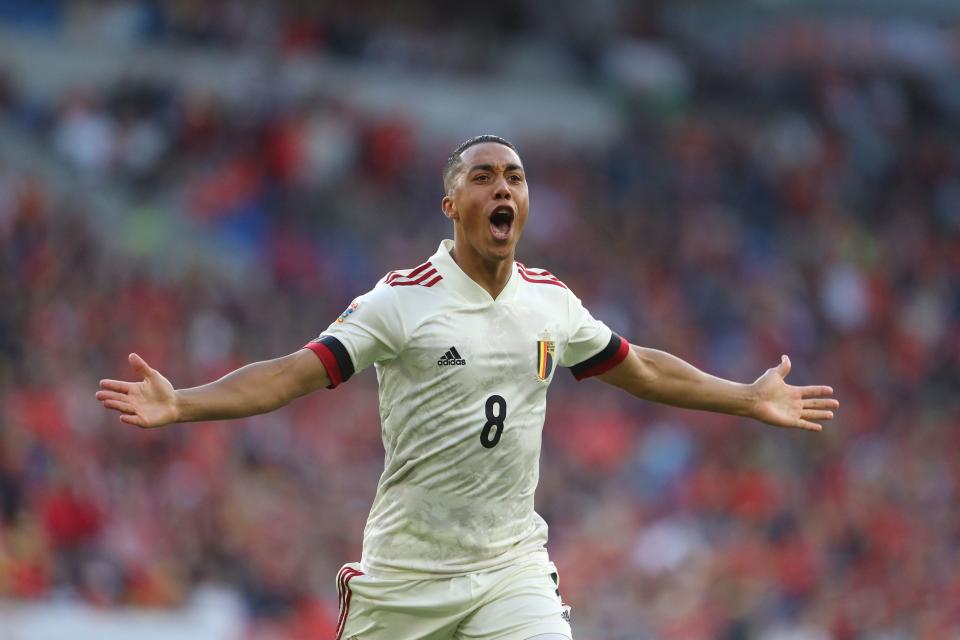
<point x="463" y="386"/>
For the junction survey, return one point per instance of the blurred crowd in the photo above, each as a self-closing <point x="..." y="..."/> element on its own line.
<point x="814" y="213"/>
<point x="427" y="34"/>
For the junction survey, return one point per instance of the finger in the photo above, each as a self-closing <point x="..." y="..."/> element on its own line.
<point x="809" y="426"/>
<point x="784" y="367"/>
<point x="112" y="395"/>
<point x="816" y="414"/>
<point x="118" y="405"/>
<point x="135" y="420"/>
<point x="115" y="385"/>
<point x="821" y="403"/>
<point x="140" y="365"/>
<point x="815" y="391"/>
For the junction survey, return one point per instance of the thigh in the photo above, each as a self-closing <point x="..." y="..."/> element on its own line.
<point x="397" y="609"/>
<point x="518" y="605"/>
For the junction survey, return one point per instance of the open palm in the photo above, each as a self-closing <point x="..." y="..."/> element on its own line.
<point x="147" y="404"/>
<point x="784" y="405"/>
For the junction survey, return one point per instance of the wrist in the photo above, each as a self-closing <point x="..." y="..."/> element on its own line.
<point x="179" y="406"/>
<point x="751" y="400"/>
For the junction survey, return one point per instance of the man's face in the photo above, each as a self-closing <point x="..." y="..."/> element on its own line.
<point x="489" y="201"/>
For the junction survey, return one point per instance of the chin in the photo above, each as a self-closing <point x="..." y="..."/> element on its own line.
<point x="501" y="252"/>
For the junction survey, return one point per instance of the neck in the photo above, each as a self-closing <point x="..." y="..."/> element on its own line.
<point x="492" y="275"/>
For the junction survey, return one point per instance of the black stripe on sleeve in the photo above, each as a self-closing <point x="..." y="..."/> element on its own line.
<point x="340" y="353"/>
<point x="581" y="370"/>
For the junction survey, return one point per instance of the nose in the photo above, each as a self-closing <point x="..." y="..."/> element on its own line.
<point x="502" y="191"/>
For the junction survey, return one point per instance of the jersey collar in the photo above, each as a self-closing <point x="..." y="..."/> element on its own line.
<point x="455" y="278"/>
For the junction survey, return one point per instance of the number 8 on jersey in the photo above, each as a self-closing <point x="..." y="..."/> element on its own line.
<point x="496" y="410"/>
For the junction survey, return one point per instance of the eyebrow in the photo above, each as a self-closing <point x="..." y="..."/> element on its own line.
<point x="490" y="167"/>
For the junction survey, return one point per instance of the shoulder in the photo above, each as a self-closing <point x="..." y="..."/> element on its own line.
<point x="407" y="295"/>
<point x="550" y="290"/>
<point x="545" y="290"/>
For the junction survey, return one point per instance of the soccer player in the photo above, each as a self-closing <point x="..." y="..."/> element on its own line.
<point x="465" y="346"/>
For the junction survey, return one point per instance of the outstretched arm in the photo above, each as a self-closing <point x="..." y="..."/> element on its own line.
<point x="658" y="376"/>
<point x="256" y="388"/>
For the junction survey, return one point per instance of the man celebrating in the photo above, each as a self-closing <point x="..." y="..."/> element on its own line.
<point x="465" y="346"/>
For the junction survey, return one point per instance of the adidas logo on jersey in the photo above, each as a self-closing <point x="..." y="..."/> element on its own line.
<point x="451" y="358"/>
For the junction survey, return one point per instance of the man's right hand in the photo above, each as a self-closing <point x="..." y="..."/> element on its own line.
<point x="147" y="404"/>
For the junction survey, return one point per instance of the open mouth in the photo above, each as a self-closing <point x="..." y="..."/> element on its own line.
<point x="501" y="222"/>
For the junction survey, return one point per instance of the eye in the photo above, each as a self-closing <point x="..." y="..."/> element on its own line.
<point x="516" y="178"/>
<point x="481" y="177"/>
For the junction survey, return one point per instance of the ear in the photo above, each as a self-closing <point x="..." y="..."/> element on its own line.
<point x="449" y="208"/>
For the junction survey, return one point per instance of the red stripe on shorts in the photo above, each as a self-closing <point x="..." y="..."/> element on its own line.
<point x="343" y="591"/>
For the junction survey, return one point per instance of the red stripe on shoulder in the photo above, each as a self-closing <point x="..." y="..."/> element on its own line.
<point x="425" y="277"/>
<point x="538" y="276"/>
<point x="534" y="271"/>
<point x="396" y="275"/>
<point x="535" y="281"/>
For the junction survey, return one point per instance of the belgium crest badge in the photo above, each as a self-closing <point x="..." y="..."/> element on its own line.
<point x="546" y="352"/>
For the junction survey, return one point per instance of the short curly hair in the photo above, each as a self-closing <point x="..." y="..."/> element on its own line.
<point x="455" y="163"/>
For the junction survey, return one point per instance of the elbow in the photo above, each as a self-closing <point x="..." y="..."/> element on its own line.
<point x="646" y="374"/>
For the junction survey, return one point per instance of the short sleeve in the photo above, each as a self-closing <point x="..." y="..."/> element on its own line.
<point x="369" y="330"/>
<point x="592" y="348"/>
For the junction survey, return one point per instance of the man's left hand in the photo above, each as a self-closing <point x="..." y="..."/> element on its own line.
<point x="784" y="405"/>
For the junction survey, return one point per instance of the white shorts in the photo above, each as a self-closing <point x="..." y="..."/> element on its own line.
<point x="513" y="603"/>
